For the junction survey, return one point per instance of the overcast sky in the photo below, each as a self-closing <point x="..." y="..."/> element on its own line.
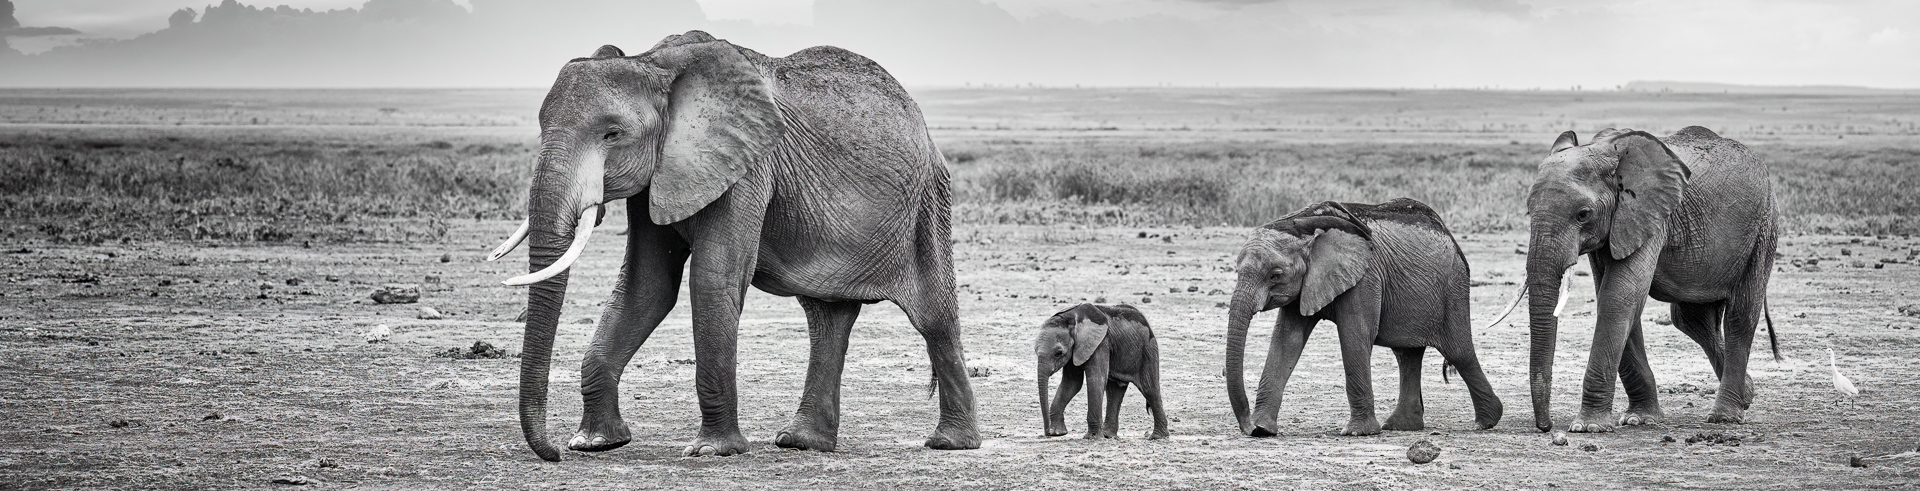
<point x="1516" y="44"/>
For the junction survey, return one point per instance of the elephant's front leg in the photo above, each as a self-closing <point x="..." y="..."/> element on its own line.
<point x="1096" y="395"/>
<point x="642" y="295"/>
<point x="816" y="425"/>
<point x="1070" y="379"/>
<point x="1116" y="391"/>
<point x="1290" y="333"/>
<point x="724" y="237"/>
<point x="1410" y="412"/>
<point x="1622" y="295"/>
<point x="1356" y="353"/>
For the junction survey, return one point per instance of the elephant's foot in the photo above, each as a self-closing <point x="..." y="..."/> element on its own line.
<point x="1485" y="419"/>
<point x="1724" y="413"/>
<point x="1641" y="416"/>
<point x="1056" y="430"/>
<point x="805" y="438"/>
<point x="1405" y="422"/>
<point x="954" y="437"/>
<point x="600" y="436"/>
<point x="1592" y="422"/>
<point x="732" y="444"/>
<point x="1158" y="434"/>
<point x="1362" y="427"/>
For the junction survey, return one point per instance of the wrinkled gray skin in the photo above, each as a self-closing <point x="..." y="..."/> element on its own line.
<point x="1687" y="219"/>
<point x="1099" y="343"/>
<point x="809" y="176"/>
<point x="1385" y="275"/>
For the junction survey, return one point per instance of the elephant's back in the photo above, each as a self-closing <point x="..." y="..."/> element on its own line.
<point x="840" y="92"/>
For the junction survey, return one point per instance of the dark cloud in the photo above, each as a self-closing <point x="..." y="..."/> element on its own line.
<point x="6" y="15"/>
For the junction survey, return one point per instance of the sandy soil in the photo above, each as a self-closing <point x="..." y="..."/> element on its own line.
<point x="152" y="365"/>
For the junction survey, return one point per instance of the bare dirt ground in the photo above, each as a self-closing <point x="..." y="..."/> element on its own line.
<point x="160" y="365"/>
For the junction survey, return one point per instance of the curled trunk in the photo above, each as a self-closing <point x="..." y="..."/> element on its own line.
<point x="1239" y="315"/>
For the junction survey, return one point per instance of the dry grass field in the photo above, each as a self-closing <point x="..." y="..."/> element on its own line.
<point x="185" y="290"/>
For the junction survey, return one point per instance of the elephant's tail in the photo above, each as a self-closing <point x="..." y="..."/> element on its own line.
<point x="1773" y="340"/>
<point x="933" y="383"/>
<point x="1444" y="365"/>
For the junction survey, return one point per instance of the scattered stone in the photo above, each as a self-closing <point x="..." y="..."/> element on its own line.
<point x="1910" y="310"/>
<point x="327" y="463"/>
<point x="479" y="350"/>
<point x="1173" y="290"/>
<point x="117" y="423"/>
<point x="428" y="313"/>
<point x="432" y="278"/>
<point x="1667" y="439"/>
<point x="584" y="321"/>
<point x="1560" y="438"/>
<point x="1143" y="234"/>
<point x="291" y="480"/>
<point x="293" y="282"/>
<point x="1664" y="319"/>
<point x="979" y="372"/>
<point x="1858" y="263"/>
<point x="452" y="384"/>
<point x="1147" y="299"/>
<point x="166" y="282"/>
<point x="333" y="278"/>
<point x="1846" y="252"/>
<point x="1856" y="461"/>
<point x="1423" y="452"/>
<point x="378" y="334"/>
<point x="397" y="293"/>
<point x="1193" y="288"/>
<point x="1216" y="291"/>
<point x="1590" y="447"/>
<point x="1219" y="305"/>
<point x="213" y="416"/>
<point x="446" y="257"/>
<point x="1099" y="299"/>
<point x="1520" y="250"/>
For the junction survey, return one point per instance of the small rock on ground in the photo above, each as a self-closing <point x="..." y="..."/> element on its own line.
<point x="396" y="293"/>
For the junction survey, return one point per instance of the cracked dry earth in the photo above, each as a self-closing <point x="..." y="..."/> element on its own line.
<point x="156" y="365"/>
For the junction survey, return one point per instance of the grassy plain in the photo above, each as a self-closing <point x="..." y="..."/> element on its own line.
<point x="164" y="324"/>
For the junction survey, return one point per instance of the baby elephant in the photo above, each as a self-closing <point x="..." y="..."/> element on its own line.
<point x="1100" y="344"/>
<point x="1386" y="275"/>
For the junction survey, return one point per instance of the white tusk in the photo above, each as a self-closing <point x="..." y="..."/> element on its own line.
<point x="1565" y="289"/>
<point x="1503" y="314"/>
<point x="513" y="241"/>
<point x="579" y="244"/>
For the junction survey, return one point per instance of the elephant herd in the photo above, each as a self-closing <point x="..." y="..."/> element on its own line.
<point x="813" y="176"/>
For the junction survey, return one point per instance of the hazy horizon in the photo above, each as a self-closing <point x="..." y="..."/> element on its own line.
<point x="1373" y="44"/>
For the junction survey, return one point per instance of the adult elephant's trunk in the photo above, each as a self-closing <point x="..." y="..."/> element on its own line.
<point x="1247" y="300"/>
<point x="558" y="228"/>
<point x="1547" y="263"/>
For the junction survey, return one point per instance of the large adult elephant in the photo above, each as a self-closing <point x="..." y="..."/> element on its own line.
<point x="1687" y="219"/>
<point x="809" y="176"/>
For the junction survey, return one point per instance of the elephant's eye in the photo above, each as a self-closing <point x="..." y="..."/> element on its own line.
<point x="611" y="135"/>
<point x="1583" y="215"/>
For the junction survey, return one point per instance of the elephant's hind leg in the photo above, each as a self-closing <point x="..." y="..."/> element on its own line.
<point x="1410" y="412"/>
<point x="1636" y="375"/>
<point x="1486" y="405"/>
<point x="1736" y="390"/>
<point x="643" y="294"/>
<point x="816" y="426"/>
<point x="936" y="315"/>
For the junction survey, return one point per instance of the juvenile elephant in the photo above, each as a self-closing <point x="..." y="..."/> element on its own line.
<point x="1387" y="275"/>
<point x="1108" y="347"/>
<point x="809" y="176"/>
<point x="1687" y="219"/>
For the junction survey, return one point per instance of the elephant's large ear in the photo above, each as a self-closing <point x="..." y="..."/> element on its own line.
<point x="1566" y="140"/>
<point x="1335" y="262"/>
<point x="1651" y="182"/>
<point x="1088" y="332"/>
<point x="720" y="123"/>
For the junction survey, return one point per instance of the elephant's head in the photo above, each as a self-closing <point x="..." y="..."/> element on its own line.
<point x="1070" y="337"/>
<point x="1610" y="196"/>
<point x="1306" y="259"/>
<point x="675" y="126"/>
